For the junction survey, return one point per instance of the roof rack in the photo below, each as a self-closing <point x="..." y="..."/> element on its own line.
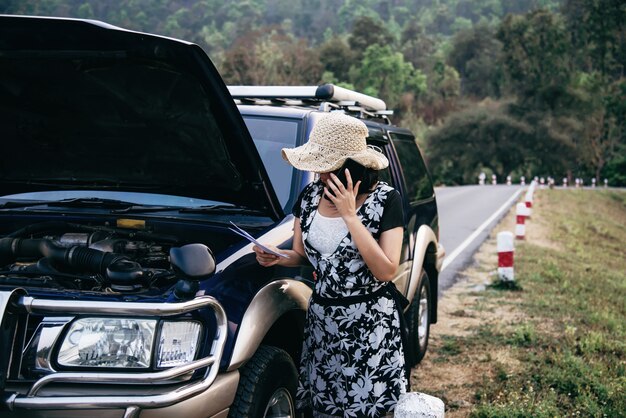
<point x="326" y="96"/>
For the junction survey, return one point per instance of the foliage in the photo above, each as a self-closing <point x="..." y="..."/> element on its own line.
<point x="535" y="53"/>
<point x="367" y="32"/>
<point x="484" y="136"/>
<point x="597" y="35"/>
<point x="553" y="69"/>
<point x="475" y="54"/>
<point x="386" y="74"/>
<point x="337" y="57"/>
<point x="270" y="56"/>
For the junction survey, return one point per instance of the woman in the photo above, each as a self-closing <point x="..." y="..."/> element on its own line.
<point x="352" y="359"/>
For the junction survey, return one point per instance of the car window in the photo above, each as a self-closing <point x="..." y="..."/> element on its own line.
<point x="418" y="183"/>
<point x="270" y="135"/>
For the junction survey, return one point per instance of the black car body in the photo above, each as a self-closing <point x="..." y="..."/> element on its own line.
<point x="123" y="292"/>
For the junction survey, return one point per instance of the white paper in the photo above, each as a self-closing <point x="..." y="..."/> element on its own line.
<point x="250" y="238"/>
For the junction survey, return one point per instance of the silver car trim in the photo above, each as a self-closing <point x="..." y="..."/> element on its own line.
<point x="269" y="304"/>
<point x="35" y="305"/>
<point x="131" y="412"/>
<point x="403" y="276"/>
<point x="44" y="340"/>
<point x="132" y="404"/>
<point x="5" y="298"/>
<point x="8" y="298"/>
<point x="424" y="237"/>
<point x="121" y="378"/>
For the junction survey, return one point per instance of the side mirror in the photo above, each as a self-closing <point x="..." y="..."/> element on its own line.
<point x="192" y="263"/>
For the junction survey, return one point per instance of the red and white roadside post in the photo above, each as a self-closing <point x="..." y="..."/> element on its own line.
<point x="506" y="250"/>
<point x="528" y="199"/>
<point x="520" y="228"/>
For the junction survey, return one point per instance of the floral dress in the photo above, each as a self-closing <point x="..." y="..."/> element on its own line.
<point x="352" y="361"/>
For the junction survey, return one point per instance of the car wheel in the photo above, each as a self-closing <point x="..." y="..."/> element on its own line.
<point x="418" y="322"/>
<point x="267" y="385"/>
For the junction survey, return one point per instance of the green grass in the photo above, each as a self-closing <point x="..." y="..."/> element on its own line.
<point x="573" y="345"/>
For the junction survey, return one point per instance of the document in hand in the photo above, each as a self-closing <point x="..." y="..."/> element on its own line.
<point x="250" y="238"/>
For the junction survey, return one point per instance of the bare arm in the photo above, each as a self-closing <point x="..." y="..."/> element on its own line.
<point x="296" y="255"/>
<point x="382" y="257"/>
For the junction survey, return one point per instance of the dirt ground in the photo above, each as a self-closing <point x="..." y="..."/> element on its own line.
<point x="462" y="310"/>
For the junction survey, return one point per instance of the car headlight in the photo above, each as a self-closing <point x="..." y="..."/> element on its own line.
<point x="128" y="342"/>
<point x="178" y="343"/>
<point x="108" y="342"/>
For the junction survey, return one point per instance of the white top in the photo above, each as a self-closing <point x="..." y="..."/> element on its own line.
<point x="325" y="234"/>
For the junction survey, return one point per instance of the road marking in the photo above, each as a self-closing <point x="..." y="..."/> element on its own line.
<point x="458" y="250"/>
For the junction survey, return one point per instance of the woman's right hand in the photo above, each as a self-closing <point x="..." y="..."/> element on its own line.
<point x="266" y="259"/>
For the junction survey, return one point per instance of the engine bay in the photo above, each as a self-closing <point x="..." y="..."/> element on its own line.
<point x="62" y="255"/>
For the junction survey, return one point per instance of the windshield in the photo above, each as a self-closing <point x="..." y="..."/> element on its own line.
<point x="270" y="135"/>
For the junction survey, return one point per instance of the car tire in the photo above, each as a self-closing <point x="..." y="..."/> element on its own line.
<point x="418" y="322"/>
<point x="267" y="385"/>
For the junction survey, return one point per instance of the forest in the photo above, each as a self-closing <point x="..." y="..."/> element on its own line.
<point x="506" y="87"/>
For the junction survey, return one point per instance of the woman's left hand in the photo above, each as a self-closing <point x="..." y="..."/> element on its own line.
<point x="343" y="197"/>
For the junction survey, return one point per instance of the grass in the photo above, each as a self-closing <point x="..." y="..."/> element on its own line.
<point x="569" y="339"/>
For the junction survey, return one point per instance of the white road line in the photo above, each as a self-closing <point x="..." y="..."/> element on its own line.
<point x="458" y="250"/>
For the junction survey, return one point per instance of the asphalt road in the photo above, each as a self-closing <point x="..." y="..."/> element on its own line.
<point x="466" y="216"/>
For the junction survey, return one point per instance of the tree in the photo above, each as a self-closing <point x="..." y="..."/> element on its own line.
<point x="604" y="134"/>
<point x="337" y="57"/>
<point x="475" y="55"/>
<point x="479" y="137"/>
<point x="416" y="46"/>
<point x="270" y="56"/>
<point x="367" y="31"/>
<point x="388" y="74"/>
<point x="536" y="54"/>
<point x="598" y="34"/>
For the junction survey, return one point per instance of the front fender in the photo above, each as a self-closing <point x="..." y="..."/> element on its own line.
<point x="425" y="237"/>
<point x="268" y="305"/>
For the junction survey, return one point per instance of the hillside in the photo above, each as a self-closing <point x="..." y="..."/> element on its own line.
<point x="506" y="87"/>
<point x="556" y="345"/>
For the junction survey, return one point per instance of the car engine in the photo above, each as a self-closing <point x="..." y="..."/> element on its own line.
<point x="59" y="255"/>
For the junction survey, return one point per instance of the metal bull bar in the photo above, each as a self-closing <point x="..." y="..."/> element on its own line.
<point x="131" y="404"/>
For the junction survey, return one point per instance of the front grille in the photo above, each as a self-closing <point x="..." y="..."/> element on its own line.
<point x="19" y="332"/>
<point x="12" y="335"/>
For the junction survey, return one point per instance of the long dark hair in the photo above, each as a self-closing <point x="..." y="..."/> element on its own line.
<point x="370" y="178"/>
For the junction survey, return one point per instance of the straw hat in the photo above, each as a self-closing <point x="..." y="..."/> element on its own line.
<point x="335" y="138"/>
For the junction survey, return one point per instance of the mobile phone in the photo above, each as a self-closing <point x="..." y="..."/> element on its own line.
<point x="357" y="172"/>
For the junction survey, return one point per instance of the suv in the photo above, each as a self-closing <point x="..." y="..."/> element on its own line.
<point x="123" y="289"/>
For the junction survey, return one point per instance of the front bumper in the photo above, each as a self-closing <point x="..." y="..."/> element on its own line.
<point x="212" y="402"/>
<point x="47" y="398"/>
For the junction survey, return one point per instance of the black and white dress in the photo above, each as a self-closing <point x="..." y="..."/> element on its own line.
<point x="352" y="358"/>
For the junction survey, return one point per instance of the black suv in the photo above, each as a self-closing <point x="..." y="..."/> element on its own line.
<point x="123" y="289"/>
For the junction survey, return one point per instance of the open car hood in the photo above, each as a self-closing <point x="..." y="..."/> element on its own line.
<point x="86" y="105"/>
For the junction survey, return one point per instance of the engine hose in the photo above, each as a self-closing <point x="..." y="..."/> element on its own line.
<point x="81" y="258"/>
